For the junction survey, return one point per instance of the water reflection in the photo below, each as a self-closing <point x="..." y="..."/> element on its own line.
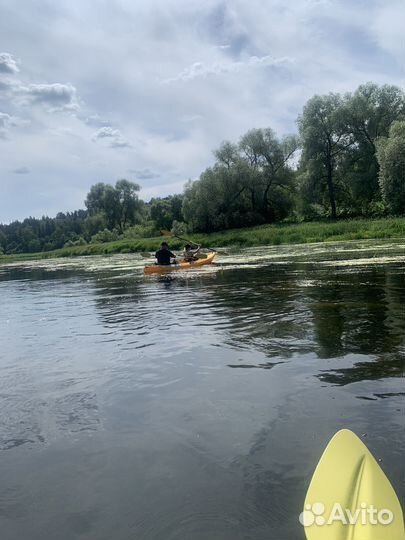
<point x="265" y="365"/>
<point x="391" y="365"/>
<point x="359" y="312"/>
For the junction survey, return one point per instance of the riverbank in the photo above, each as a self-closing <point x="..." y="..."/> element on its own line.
<point x="297" y="233"/>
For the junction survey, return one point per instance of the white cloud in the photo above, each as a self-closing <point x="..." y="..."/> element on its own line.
<point x="7" y="86"/>
<point x="198" y="69"/>
<point x="55" y="96"/>
<point x="8" y="121"/>
<point x="95" y="120"/>
<point x="144" y="174"/>
<point x="117" y="140"/>
<point x="106" y="132"/>
<point x="8" y="64"/>
<point x="4" y="124"/>
<point x="5" y="120"/>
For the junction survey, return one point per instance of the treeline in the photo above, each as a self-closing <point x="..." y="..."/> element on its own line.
<point x="347" y="160"/>
<point x="112" y="212"/>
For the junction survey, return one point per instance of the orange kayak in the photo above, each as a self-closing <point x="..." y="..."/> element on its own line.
<point x="182" y="265"/>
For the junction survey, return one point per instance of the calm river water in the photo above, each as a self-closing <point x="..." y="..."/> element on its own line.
<point x="193" y="407"/>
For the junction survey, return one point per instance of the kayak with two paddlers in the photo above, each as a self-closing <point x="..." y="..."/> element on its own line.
<point x="166" y="260"/>
<point x="181" y="265"/>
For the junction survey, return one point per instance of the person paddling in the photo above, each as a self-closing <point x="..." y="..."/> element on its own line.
<point x="163" y="255"/>
<point x="190" y="253"/>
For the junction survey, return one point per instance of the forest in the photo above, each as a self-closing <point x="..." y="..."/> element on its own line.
<point x="346" y="160"/>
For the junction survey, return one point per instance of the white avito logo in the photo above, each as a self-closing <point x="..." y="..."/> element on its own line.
<point x="314" y="514"/>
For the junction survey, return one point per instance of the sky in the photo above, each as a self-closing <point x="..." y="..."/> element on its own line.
<point x="94" y="91"/>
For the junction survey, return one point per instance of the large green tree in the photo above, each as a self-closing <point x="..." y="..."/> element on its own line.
<point x="250" y="183"/>
<point x="369" y="113"/>
<point x="391" y="157"/>
<point x="269" y="160"/>
<point x="165" y="210"/>
<point x="324" y="137"/>
<point x="129" y="204"/>
<point x="120" y="205"/>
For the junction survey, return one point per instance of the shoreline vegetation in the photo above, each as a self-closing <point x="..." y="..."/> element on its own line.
<point x="264" y="235"/>
<point x="350" y="164"/>
<point x="346" y="164"/>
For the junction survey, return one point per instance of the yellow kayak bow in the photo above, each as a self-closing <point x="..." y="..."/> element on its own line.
<point x="349" y="497"/>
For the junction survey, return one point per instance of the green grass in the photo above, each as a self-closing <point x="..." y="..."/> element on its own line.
<point x="355" y="229"/>
<point x="311" y="232"/>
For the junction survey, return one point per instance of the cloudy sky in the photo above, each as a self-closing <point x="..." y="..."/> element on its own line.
<point x="146" y="89"/>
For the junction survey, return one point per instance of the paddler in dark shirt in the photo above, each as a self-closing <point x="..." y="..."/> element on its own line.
<point x="163" y="255"/>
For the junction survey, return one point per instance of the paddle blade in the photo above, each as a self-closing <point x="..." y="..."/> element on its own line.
<point x="349" y="497"/>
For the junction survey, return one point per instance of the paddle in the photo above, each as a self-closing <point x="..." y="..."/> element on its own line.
<point x="169" y="233"/>
<point x="347" y="480"/>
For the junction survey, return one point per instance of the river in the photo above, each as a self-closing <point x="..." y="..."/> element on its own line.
<point x="194" y="406"/>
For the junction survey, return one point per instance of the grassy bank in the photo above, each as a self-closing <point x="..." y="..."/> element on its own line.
<point x="356" y="229"/>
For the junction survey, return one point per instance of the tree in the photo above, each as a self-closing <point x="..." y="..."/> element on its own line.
<point x="95" y="199"/>
<point x="3" y="242"/>
<point x="165" y="210"/>
<point x="369" y="113"/>
<point x="324" y="137"/>
<point x="129" y="203"/>
<point x="120" y="204"/>
<point x="203" y="202"/>
<point x="269" y="160"/>
<point x="371" y="110"/>
<point x="227" y="154"/>
<point x="93" y="224"/>
<point x="391" y="158"/>
<point x="250" y="183"/>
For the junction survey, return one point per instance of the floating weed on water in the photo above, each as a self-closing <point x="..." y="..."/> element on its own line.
<point x="336" y="253"/>
<point x="365" y="262"/>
